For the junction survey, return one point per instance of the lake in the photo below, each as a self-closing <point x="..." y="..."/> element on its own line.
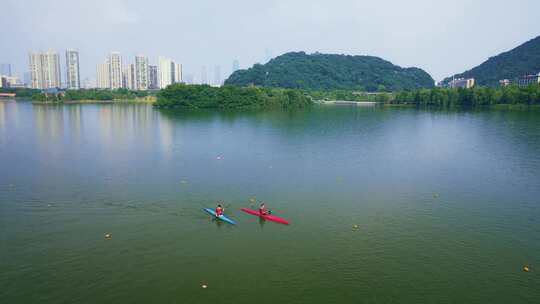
<point x="387" y="205"/>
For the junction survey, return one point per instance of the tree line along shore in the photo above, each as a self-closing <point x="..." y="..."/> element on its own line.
<point x="231" y="97"/>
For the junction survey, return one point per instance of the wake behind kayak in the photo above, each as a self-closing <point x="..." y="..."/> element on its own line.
<point x="221" y="217"/>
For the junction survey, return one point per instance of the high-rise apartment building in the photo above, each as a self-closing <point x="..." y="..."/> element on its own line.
<point x="45" y="70"/>
<point x="141" y="72"/>
<point x="115" y="70"/>
<point x="73" y="80"/>
<point x="52" y="72"/>
<point x="165" y="72"/>
<point x="103" y="77"/>
<point x="36" y="71"/>
<point x="177" y="77"/>
<point x="169" y="72"/>
<point x="5" y="69"/>
<point x="129" y="77"/>
<point x="153" y="77"/>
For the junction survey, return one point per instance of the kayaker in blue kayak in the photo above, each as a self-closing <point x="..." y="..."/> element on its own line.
<point x="219" y="210"/>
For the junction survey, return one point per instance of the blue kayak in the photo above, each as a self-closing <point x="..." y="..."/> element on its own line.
<point x="221" y="217"/>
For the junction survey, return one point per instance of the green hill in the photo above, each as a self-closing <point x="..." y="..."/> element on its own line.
<point x="298" y="70"/>
<point x="523" y="60"/>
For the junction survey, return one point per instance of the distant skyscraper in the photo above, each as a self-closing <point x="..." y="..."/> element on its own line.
<point x="5" y="69"/>
<point x="235" y="65"/>
<point x="141" y="72"/>
<point x="129" y="77"/>
<point x="204" y="76"/>
<point x="217" y="75"/>
<point x="165" y="72"/>
<point x="177" y="77"/>
<point x="103" y="77"/>
<point x="45" y="70"/>
<point x="153" y="77"/>
<point x="36" y="71"/>
<point x="169" y="72"/>
<point x="115" y="70"/>
<point x="73" y="80"/>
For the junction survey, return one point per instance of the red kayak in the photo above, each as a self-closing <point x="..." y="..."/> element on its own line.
<point x="267" y="217"/>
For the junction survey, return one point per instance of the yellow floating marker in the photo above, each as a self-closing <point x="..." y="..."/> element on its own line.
<point x="108" y="236"/>
<point x="526" y="268"/>
<point x="204" y="286"/>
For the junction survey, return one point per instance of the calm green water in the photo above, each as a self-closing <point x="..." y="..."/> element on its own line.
<point x="447" y="203"/>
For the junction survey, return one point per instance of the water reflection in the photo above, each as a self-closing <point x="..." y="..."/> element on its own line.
<point x="9" y="114"/>
<point x="126" y="124"/>
<point x="49" y="122"/>
<point x="262" y="222"/>
<point x="328" y="169"/>
<point x="75" y="119"/>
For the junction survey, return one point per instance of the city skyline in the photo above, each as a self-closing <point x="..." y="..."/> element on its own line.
<point x="413" y="33"/>
<point x="139" y="75"/>
<point x="70" y="76"/>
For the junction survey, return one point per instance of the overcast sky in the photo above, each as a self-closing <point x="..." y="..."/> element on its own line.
<point x="441" y="37"/>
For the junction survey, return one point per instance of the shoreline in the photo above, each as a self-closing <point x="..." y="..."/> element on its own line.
<point x="347" y="102"/>
<point x="92" y="101"/>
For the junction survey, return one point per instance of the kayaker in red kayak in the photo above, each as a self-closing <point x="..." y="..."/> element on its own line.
<point x="263" y="210"/>
<point x="219" y="210"/>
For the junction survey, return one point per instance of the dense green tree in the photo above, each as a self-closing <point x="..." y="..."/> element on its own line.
<point x="476" y="96"/>
<point x="298" y="70"/>
<point x="230" y="97"/>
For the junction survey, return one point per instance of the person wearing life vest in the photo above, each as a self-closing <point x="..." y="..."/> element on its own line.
<point x="219" y="210"/>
